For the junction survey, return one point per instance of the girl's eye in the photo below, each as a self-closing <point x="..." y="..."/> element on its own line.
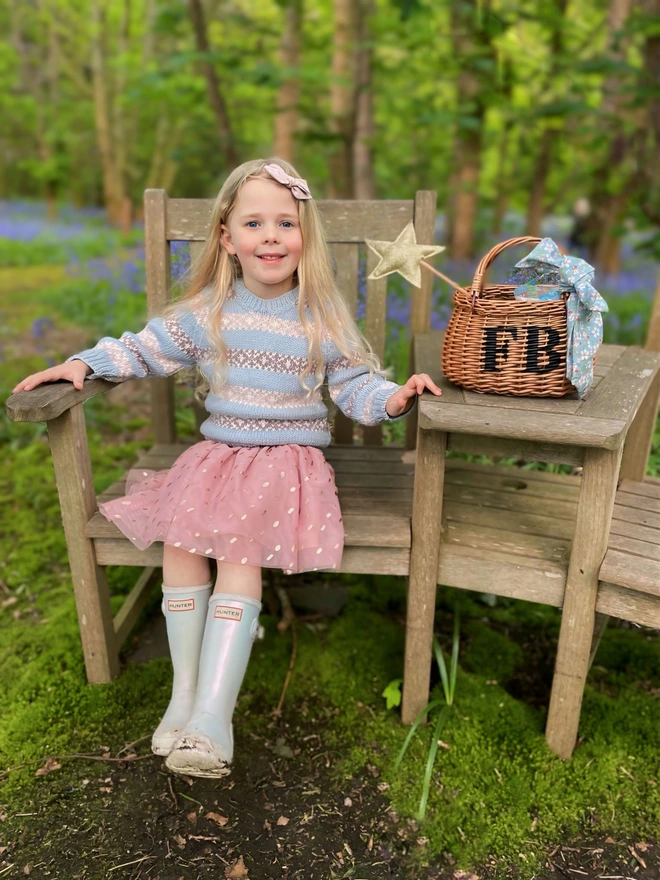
<point x="252" y="224"/>
<point x="288" y="224"/>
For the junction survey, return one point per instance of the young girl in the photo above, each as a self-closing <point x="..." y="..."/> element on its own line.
<point x="265" y="323"/>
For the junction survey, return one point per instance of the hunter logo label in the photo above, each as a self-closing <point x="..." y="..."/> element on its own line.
<point x="180" y="604"/>
<point x="227" y="613"/>
<point x="497" y="341"/>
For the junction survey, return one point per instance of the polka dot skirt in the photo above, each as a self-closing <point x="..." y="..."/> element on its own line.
<point x="273" y="506"/>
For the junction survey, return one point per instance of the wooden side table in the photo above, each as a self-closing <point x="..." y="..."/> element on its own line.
<point x="589" y="433"/>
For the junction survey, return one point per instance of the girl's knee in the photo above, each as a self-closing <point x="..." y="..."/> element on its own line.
<point x="184" y="569"/>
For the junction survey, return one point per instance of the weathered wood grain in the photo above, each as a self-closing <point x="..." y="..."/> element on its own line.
<point x="633" y="530"/>
<point x="497" y="540"/>
<point x="640" y="436"/>
<point x="631" y="572"/>
<point x="159" y="288"/>
<point x="420" y="307"/>
<point x="525" y="523"/>
<point x="634" y="547"/>
<point x="346" y="257"/>
<point x="497" y="447"/>
<point x="375" y="332"/>
<point x="75" y="487"/>
<point x="640" y="608"/>
<point x="50" y="400"/>
<point x="594" y="515"/>
<point x="637" y="502"/>
<point x="647" y="488"/>
<point x="426" y="530"/>
<point x="355" y="560"/>
<point x="343" y="220"/>
<point x="501" y="574"/>
<point x="439" y="415"/>
<point x="361" y="529"/>
<point x="623" y="389"/>
<point x="637" y="516"/>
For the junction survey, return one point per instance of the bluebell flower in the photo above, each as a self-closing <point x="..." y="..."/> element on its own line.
<point x="40" y="327"/>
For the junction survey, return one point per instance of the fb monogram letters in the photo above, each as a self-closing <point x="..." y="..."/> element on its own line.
<point x="496" y="347"/>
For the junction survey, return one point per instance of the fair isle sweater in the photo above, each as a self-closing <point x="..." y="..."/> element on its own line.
<point x="262" y="402"/>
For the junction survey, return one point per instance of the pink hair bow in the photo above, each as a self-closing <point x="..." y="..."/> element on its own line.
<point x="297" y="185"/>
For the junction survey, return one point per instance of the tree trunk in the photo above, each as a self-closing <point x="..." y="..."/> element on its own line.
<point x="342" y="101"/>
<point x="609" y="198"/>
<point x="119" y="119"/>
<point x="468" y="148"/>
<point x="549" y="135"/>
<point x="113" y="189"/>
<point x="535" y="206"/>
<point x="502" y="186"/>
<point x="475" y="56"/>
<point x="213" y="86"/>
<point x="363" y="167"/>
<point x="286" y="120"/>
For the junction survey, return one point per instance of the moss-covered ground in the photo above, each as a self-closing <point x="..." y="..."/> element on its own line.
<point x="314" y="793"/>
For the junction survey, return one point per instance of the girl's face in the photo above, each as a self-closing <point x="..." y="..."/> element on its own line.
<point x="264" y="233"/>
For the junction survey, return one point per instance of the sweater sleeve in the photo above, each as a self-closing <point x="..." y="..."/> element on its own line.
<point x="162" y="348"/>
<point x="359" y="395"/>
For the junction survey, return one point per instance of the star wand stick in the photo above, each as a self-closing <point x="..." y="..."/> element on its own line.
<point x="444" y="277"/>
<point x="405" y="256"/>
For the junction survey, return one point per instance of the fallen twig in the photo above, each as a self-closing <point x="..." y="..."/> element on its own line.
<point x="134" y="743"/>
<point x="294" y="651"/>
<point x="169" y="782"/>
<point x="129" y="759"/>
<point x="126" y="864"/>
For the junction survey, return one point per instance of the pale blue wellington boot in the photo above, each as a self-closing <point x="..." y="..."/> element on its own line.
<point x="206" y="746"/>
<point x="185" y="612"/>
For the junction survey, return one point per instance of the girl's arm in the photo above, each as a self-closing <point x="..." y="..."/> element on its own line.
<point x="162" y="348"/>
<point x="360" y="396"/>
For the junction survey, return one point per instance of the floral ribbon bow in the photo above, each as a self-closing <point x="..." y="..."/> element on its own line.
<point x="297" y="185"/>
<point x="583" y="309"/>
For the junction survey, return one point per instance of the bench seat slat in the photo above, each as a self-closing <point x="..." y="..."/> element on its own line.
<point x="632" y="572"/>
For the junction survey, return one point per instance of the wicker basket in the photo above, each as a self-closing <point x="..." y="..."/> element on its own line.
<point x="497" y="344"/>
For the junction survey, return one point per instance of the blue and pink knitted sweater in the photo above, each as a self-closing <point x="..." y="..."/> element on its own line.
<point x="262" y="402"/>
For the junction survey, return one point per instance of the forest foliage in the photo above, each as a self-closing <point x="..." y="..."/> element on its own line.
<point x="496" y="104"/>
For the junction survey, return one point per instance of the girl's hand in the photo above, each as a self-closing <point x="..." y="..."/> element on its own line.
<point x="402" y="400"/>
<point x="73" y="371"/>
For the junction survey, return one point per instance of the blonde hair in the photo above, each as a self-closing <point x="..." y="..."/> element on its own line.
<point x="216" y="270"/>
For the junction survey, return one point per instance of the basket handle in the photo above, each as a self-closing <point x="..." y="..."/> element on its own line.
<point x="480" y="271"/>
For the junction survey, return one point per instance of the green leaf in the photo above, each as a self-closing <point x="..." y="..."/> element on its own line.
<point x="433" y="751"/>
<point x="392" y="693"/>
<point x="440" y="659"/>
<point x="453" y="669"/>
<point x="404" y="748"/>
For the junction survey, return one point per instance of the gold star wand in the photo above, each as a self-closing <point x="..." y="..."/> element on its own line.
<point x="405" y="256"/>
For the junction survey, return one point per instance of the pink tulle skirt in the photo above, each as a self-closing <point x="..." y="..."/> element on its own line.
<point x="273" y="506"/>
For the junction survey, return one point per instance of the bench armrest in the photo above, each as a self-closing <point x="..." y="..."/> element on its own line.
<point x="50" y="400"/>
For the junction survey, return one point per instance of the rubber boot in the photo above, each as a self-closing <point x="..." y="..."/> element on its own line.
<point x="185" y="615"/>
<point x="206" y="747"/>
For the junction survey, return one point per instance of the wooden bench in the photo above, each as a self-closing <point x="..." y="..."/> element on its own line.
<point x="369" y="476"/>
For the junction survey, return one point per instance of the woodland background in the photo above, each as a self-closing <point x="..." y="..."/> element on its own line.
<point x="499" y="105"/>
